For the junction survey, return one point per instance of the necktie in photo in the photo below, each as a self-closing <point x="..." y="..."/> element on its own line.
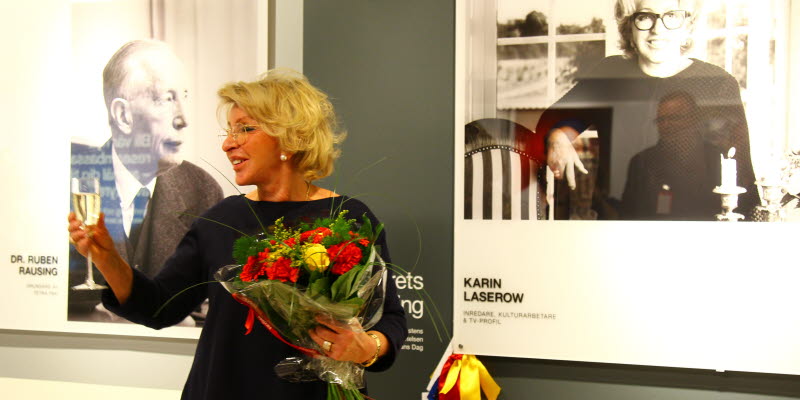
<point x="139" y="209"/>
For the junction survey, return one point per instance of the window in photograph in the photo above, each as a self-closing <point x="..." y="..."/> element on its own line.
<point x="748" y="39"/>
<point x="541" y="46"/>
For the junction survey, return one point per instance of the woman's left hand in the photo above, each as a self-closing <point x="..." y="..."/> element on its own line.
<point x="348" y="342"/>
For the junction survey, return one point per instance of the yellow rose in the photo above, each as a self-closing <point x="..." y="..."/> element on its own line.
<point x="316" y="257"/>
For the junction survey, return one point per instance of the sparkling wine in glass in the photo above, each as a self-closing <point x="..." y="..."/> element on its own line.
<point x="86" y="205"/>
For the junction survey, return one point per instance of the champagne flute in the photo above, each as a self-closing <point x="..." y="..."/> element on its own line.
<point x="86" y="204"/>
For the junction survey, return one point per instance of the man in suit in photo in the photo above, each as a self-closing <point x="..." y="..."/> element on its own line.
<point x="150" y="195"/>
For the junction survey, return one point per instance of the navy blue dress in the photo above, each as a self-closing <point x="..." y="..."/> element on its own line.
<point x="229" y="364"/>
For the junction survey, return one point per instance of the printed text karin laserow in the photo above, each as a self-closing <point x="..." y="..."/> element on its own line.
<point x="489" y="296"/>
<point x="490" y="290"/>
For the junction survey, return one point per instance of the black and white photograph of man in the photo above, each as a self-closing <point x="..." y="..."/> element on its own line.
<point x="150" y="195"/>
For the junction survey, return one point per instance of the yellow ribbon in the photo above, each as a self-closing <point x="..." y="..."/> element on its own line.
<point x="452" y="376"/>
<point x="474" y="377"/>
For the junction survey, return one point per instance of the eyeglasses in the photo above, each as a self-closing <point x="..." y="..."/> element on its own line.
<point x="645" y="21"/>
<point x="239" y="133"/>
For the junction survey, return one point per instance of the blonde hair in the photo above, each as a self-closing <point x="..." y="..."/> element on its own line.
<point x="293" y="111"/>
<point x="624" y="9"/>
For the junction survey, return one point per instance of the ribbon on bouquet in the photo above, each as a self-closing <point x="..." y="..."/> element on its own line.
<point x="256" y="312"/>
<point x="462" y="378"/>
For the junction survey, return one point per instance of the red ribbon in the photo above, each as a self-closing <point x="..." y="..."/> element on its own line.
<point x="453" y="394"/>
<point x="476" y="378"/>
<point x="251" y="315"/>
<point x="255" y="311"/>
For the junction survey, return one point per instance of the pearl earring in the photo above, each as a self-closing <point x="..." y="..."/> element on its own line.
<point x="283" y="157"/>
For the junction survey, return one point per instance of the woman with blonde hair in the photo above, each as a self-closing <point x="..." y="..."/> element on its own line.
<point x="620" y="99"/>
<point x="280" y="137"/>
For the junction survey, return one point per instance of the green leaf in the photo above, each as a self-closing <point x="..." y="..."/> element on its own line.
<point x="325" y="221"/>
<point x="366" y="227"/>
<point x="314" y="275"/>
<point x="356" y="283"/>
<point x="319" y="287"/>
<point x="378" y="231"/>
<point x="329" y="241"/>
<point x="279" y="322"/>
<point x="342" y="226"/>
<point x="244" y="247"/>
<point x="343" y="285"/>
<point x="336" y="289"/>
<point x="356" y="301"/>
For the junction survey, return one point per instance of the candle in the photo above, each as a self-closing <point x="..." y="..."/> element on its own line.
<point x="729" y="169"/>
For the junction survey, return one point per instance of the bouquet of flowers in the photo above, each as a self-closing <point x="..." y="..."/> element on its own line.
<point x="288" y="276"/>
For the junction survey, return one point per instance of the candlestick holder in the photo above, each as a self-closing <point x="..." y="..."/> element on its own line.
<point x="730" y="200"/>
<point x="771" y="193"/>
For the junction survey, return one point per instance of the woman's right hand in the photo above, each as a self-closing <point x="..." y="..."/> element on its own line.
<point x="92" y="238"/>
<point x="561" y="155"/>
<point x="97" y="240"/>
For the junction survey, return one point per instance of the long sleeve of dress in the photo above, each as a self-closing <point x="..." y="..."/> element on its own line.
<point x="393" y="323"/>
<point x="172" y="295"/>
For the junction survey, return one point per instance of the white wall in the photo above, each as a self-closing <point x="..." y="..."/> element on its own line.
<point x="95" y="359"/>
<point x="287" y="43"/>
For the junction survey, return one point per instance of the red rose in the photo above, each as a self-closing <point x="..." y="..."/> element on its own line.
<point x="281" y="270"/>
<point x="344" y="257"/>
<point x="290" y="242"/>
<point x="251" y="270"/>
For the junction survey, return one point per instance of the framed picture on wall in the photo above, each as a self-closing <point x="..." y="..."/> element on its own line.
<point x="152" y="166"/>
<point x="140" y="83"/>
<point x="608" y="148"/>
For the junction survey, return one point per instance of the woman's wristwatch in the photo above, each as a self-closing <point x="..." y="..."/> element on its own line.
<point x="377" y="351"/>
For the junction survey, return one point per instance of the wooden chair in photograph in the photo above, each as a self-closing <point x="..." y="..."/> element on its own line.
<point x="501" y="180"/>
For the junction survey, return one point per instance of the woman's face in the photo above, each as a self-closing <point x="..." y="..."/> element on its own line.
<point x="658" y="44"/>
<point x="258" y="159"/>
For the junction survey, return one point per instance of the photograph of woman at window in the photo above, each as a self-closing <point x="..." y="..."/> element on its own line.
<point x="662" y="119"/>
